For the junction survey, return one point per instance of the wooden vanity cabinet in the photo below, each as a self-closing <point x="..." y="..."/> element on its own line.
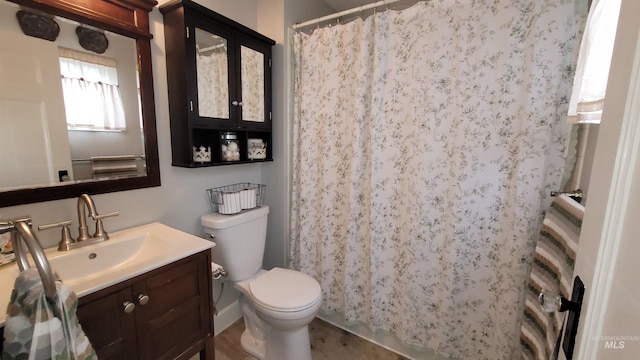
<point x="163" y="314"/>
<point x="219" y="80"/>
<point x="112" y="332"/>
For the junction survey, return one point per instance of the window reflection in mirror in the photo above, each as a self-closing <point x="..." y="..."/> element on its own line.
<point x="34" y="119"/>
<point x="90" y="86"/>
<point x="212" y="74"/>
<point x="252" y="84"/>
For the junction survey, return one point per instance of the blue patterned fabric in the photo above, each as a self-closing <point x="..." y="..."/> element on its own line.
<point x="38" y="329"/>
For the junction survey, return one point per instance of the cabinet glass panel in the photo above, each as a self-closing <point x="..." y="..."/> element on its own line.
<point x="252" y="84"/>
<point x="212" y="69"/>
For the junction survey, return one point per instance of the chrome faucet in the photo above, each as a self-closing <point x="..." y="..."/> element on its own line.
<point x="83" y="231"/>
<point x="67" y="242"/>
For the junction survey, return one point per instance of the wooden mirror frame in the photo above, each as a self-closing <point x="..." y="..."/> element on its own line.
<point x="125" y="17"/>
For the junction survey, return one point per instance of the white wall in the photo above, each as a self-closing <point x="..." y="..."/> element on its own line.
<point x="588" y="157"/>
<point x="587" y="137"/>
<point x="607" y="256"/>
<point x="242" y="11"/>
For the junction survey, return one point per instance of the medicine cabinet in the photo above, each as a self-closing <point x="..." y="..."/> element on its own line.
<point x="219" y="79"/>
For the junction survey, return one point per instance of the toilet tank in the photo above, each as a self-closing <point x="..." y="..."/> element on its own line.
<point x="240" y="241"/>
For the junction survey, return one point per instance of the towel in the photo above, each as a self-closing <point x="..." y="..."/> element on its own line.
<point x="552" y="269"/>
<point x="37" y="328"/>
<point x="124" y="165"/>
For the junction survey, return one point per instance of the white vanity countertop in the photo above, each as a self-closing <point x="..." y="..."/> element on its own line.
<point x="128" y="253"/>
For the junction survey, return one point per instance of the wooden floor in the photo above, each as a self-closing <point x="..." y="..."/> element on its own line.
<point x="327" y="343"/>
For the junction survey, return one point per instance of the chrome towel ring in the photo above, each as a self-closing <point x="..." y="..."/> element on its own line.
<point x="21" y="236"/>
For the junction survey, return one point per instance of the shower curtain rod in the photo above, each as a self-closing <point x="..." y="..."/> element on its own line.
<point x="343" y="13"/>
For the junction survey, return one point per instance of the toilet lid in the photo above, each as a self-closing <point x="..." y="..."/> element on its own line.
<point x="285" y="290"/>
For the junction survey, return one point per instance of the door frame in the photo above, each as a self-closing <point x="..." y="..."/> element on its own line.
<point x="615" y="164"/>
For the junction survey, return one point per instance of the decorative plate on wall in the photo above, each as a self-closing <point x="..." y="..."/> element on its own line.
<point x="38" y="25"/>
<point x="92" y="40"/>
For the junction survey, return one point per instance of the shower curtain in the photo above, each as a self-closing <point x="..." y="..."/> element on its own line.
<point x="425" y="144"/>
<point x="213" y="83"/>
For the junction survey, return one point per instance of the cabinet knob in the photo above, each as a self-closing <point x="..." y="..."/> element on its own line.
<point x="128" y="307"/>
<point x="143" y="299"/>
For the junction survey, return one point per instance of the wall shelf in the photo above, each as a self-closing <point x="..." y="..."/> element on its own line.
<point x="219" y="77"/>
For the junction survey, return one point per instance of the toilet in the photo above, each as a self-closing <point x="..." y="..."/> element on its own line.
<point x="277" y="304"/>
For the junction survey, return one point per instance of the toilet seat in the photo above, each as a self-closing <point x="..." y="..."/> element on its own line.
<point x="285" y="290"/>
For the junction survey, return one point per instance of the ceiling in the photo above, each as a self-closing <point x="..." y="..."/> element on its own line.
<point x="339" y="5"/>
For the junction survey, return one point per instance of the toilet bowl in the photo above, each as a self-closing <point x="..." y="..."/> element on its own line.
<point x="277" y="304"/>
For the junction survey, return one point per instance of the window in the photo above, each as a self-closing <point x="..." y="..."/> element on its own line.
<point x="91" y="95"/>
<point x="594" y="61"/>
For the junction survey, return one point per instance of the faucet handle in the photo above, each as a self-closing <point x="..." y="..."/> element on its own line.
<point x="100" y="233"/>
<point x="66" y="240"/>
<point x="100" y="217"/>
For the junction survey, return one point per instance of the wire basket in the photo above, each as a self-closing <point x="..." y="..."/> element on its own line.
<point x="232" y="199"/>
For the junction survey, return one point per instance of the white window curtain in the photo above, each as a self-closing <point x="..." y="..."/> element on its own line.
<point x="91" y="95"/>
<point x="594" y="61"/>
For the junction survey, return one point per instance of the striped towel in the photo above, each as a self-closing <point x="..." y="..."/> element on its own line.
<point x="122" y="165"/>
<point x="552" y="269"/>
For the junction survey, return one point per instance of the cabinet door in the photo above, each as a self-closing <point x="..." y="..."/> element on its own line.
<point x="254" y="77"/>
<point x="109" y="328"/>
<point x="176" y="313"/>
<point x="212" y="91"/>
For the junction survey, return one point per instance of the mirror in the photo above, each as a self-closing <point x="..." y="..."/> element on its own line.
<point x="212" y="71"/>
<point x="49" y="154"/>
<point x="252" y="84"/>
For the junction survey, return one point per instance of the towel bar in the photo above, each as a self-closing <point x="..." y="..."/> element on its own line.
<point x="575" y="193"/>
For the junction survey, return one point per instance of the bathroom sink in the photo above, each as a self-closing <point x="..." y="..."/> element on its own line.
<point x="126" y="254"/>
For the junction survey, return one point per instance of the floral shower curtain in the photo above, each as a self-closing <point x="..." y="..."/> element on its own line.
<point x="426" y="142"/>
<point x="213" y="83"/>
<point x="252" y="84"/>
